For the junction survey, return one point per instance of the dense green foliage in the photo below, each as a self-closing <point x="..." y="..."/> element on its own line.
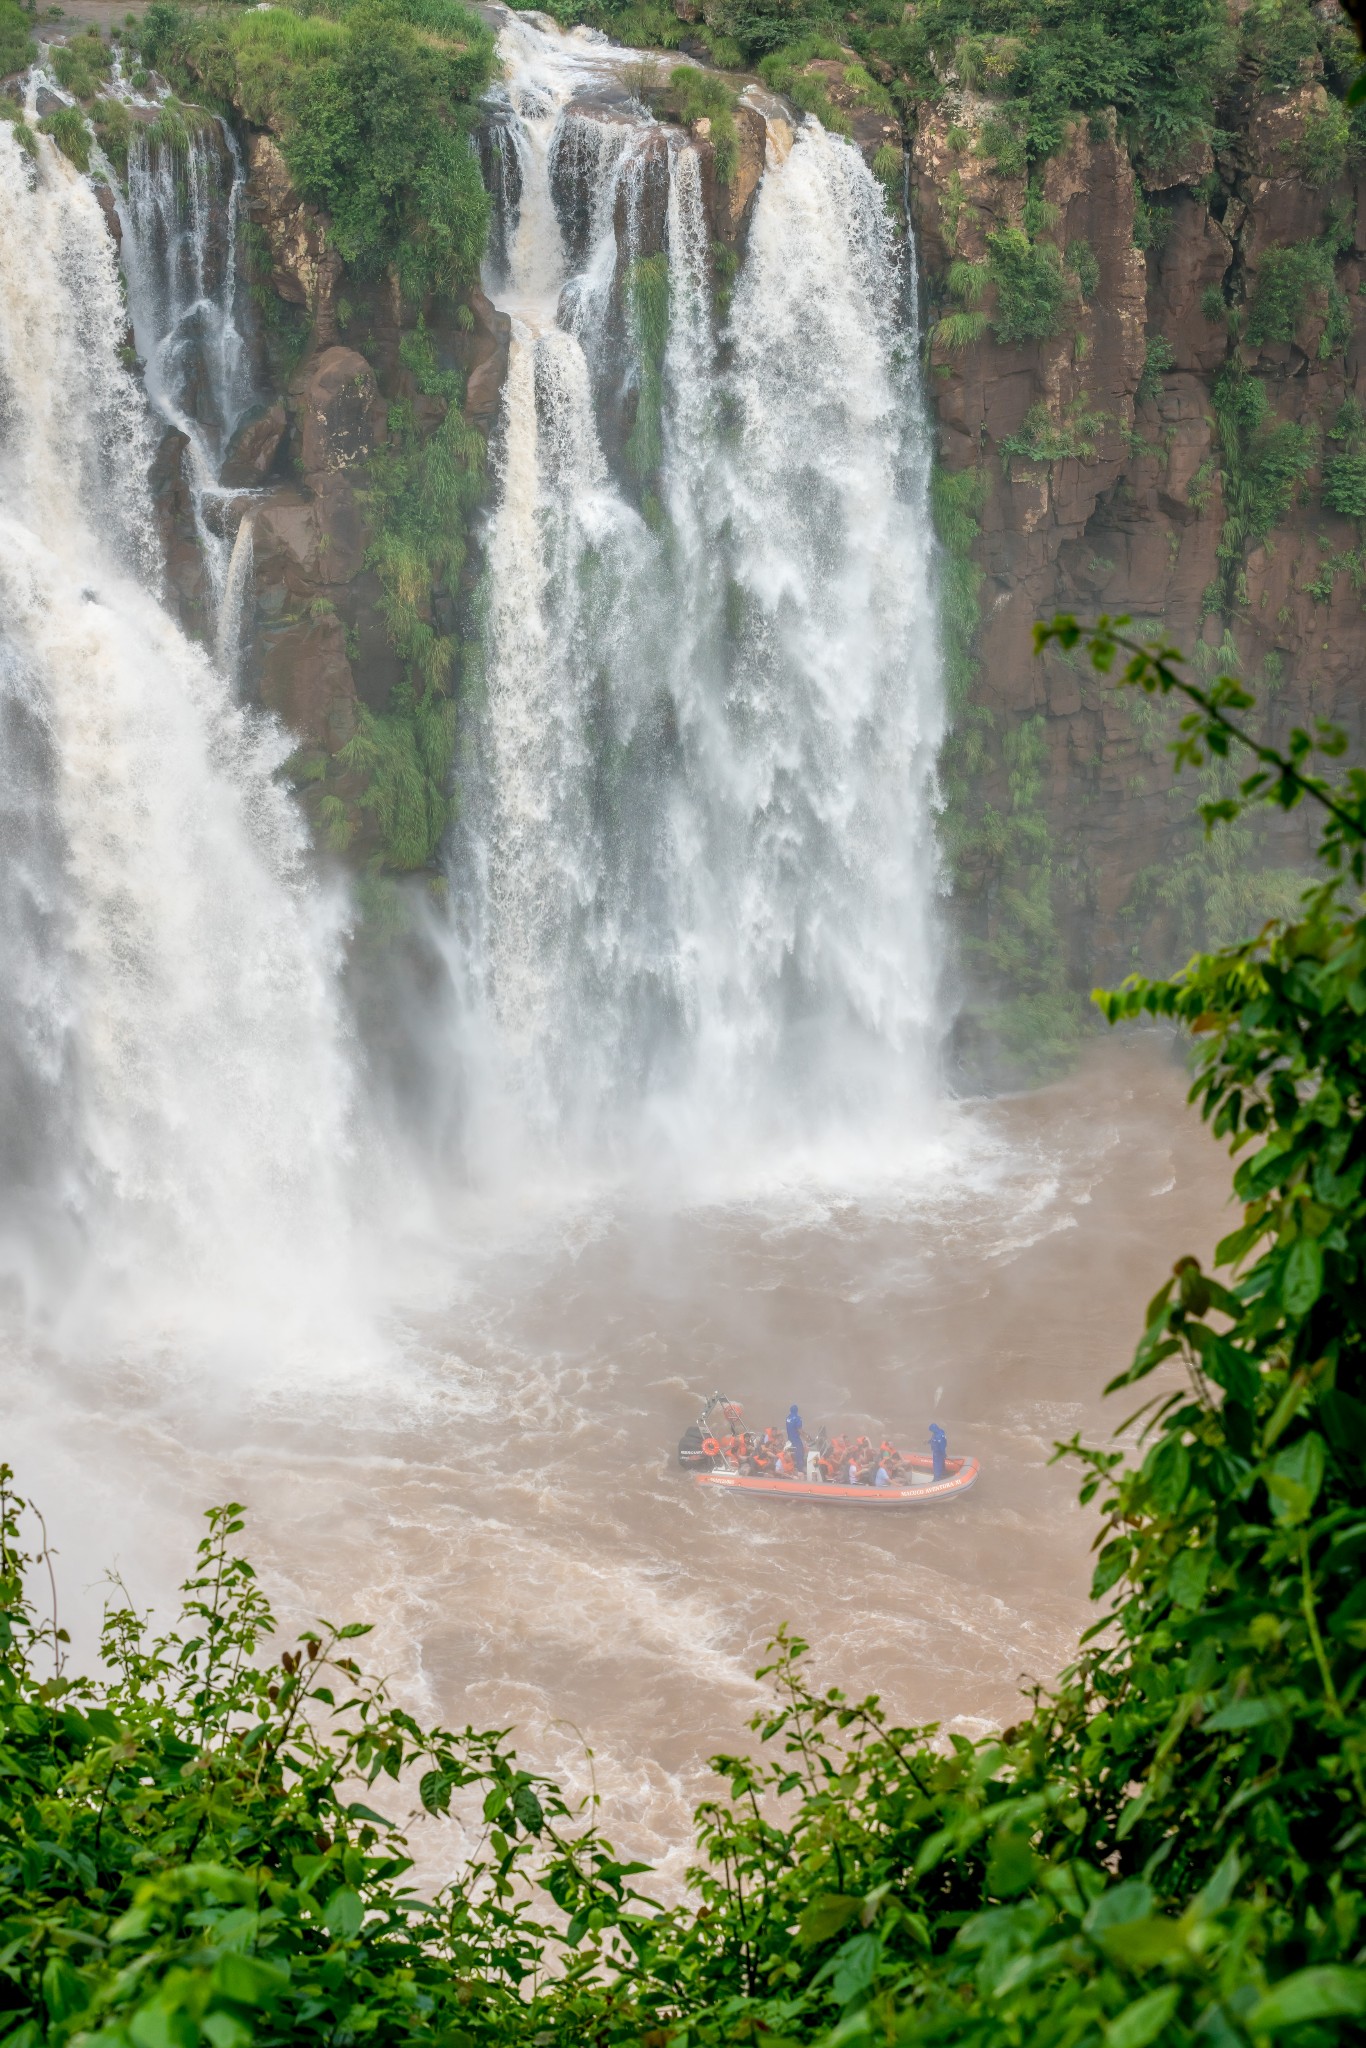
<point x="693" y="95"/>
<point x="82" y="65"/>
<point x="379" y="135"/>
<point x="1160" y="63"/>
<point x="423" y="491"/>
<point x="187" y="1851"/>
<point x="68" y="130"/>
<point x="375" y="102"/>
<point x="17" y="48"/>
<point x="1042" y="438"/>
<point x="1264" y="461"/>
<point x="955" y="501"/>
<point x="1293" y="283"/>
<point x="1023" y="288"/>
<point x="1167" y="1848"/>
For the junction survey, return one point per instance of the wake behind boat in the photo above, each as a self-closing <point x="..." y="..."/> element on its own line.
<point x="831" y="1469"/>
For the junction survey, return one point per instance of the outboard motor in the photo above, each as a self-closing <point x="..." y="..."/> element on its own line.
<point x="691" y="1455"/>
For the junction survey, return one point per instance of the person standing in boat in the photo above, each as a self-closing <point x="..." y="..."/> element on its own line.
<point x="939" y="1445"/>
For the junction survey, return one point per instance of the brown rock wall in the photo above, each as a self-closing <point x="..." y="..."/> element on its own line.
<point x="1133" y="521"/>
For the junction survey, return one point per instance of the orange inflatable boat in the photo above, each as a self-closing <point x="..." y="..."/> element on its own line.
<point x="721" y="1453"/>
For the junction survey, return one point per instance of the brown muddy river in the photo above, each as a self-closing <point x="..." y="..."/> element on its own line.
<point x="499" y="1494"/>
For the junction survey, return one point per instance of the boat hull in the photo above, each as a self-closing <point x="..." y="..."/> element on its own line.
<point x="960" y="1474"/>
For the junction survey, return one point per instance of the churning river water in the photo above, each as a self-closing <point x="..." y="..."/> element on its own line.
<point x="498" y="1491"/>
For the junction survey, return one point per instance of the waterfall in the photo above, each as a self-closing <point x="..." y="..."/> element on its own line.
<point x="175" y="1106"/>
<point x="180" y="211"/>
<point x="697" y="869"/>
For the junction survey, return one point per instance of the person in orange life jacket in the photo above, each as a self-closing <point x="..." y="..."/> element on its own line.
<point x="852" y="1477"/>
<point x="882" y="1477"/>
<point x="786" y="1467"/>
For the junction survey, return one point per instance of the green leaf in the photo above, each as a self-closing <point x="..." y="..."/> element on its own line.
<point x="1143" y="2022"/>
<point x="1327" y="1991"/>
<point x="1141" y="1943"/>
<point x="1221" y="1886"/>
<point x="1248" y="1713"/>
<point x="248" y="1980"/>
<point x="1132" y="1900"/>
<point x="1012" y="1864"/>
<point x="828" y="1913"/>
<point x="63" y="1991"/>
<point x="224" y="2030"/>
<point x="528" y="1809"/>
<point x="154" y="2026"/>
<point x="1189" y="1576"/>
<point x="344" y="1913"/>
<point x="1294" y="1477"/>
<point x="1302" y="1276"/>
<point x="1168" y="1471"/>
<point x="854" y="1967"/>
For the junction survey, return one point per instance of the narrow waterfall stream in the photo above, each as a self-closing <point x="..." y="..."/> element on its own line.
<point x="181" y="210"/>
<point x="699" y="860"/>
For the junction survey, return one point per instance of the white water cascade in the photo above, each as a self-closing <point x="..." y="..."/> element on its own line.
<point x="180" y="211"/>
<point x="698" y="862"/>
<point x="175" y="1073"/>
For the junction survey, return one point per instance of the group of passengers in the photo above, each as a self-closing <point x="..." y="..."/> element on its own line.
<point x="833" y="1461"/>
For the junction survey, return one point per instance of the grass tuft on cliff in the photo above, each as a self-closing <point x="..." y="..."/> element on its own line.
<point x="17" y="47"/>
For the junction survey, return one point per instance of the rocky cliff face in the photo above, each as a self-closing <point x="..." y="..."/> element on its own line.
<point x="1183" y="447"/>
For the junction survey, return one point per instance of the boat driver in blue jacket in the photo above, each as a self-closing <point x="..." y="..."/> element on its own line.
<point x="939" y="1445"/>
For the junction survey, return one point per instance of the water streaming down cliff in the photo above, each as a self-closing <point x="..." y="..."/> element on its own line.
<point x="174" y="1073"/>
<point x="180" y="209"/>
<point x="699" y="850"/>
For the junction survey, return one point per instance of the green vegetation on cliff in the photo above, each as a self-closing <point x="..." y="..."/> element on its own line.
<point x="1166" y="1848"/>
<point x="423" y="492"/>
<point x="17" y="48"/>
<point x="374" y="101"/>
<point x="1160" y="63"/>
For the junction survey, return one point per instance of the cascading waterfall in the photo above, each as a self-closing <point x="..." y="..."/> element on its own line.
<point x="180" y="211"/>
<point x="698" y="865"/>
<point x="174" y="1067"/>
